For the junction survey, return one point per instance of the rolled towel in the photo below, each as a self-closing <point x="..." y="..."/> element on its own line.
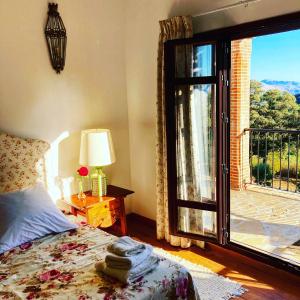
<point x="126" y="246"/>
<point x="129" y="276"/>
<point x="128" y="262"/>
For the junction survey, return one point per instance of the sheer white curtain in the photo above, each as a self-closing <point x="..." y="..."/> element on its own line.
<point x="203" y="145"/>
<point x="200" y="131"/>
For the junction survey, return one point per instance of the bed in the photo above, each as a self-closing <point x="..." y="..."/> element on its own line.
<point x="45" y="256"/>
<point x="61" y="266"/>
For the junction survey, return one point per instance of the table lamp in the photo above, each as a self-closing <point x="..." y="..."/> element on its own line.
<point x="96" y="151"/>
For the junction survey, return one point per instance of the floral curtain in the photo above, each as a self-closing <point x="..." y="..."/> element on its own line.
<point x="174" y="28"/>
<point x="194" y="108"/>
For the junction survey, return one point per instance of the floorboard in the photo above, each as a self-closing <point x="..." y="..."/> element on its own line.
<point x="261" y="280"/>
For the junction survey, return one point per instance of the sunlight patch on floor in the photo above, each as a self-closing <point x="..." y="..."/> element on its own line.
<point x="266" y="223"/>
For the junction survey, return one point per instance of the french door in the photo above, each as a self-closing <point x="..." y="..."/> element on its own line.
<point x="197" y="97"/>
<point x="196" y="81"/>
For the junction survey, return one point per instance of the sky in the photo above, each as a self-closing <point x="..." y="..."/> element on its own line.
<point x="276" y="57"/>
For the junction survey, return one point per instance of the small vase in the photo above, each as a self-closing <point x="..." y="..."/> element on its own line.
<point x="81" y="195"/>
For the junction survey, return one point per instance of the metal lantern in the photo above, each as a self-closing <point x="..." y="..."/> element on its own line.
<point x="56" y="37"/>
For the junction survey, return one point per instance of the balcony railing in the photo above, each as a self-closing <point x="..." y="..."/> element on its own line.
<point x="274" y="158"/>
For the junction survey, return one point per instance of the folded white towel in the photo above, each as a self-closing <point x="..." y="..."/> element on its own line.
<point x="126" y="246"/>
<point x="129" y="276"/>
<point x="128" y="262"/>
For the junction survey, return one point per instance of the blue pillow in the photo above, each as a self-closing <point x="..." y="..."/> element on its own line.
<point x="27" y="215"/>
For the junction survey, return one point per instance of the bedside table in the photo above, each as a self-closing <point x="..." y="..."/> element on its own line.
<point x="103" y="211"/>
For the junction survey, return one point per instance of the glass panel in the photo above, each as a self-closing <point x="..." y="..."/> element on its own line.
<point x="197" y="221"/>
<point x="195" y="142"/>
<point x="265" y="145"/>
<point x="194" y="61"/>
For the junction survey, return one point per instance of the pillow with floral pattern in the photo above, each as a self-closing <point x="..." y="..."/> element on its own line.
<point x="18" y="161"/>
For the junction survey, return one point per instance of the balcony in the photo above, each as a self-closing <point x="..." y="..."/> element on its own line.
<point x="274" y="157"/>
<point x="265" y="209"/>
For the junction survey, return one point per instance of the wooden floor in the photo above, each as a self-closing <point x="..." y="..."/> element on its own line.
<point x="262" y="281"/>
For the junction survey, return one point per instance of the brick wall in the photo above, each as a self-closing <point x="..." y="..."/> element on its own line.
<point x="240" y="112"/>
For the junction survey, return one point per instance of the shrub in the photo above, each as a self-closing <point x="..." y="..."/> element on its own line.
<point x="298" y="187"/>
<point x="259" y="171"/>
<point x="284" y="163"/>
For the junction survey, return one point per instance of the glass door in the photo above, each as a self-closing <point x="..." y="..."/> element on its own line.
<point x="233" y="147"/>
<point x="265" y="147"/>
<point x="195" y="158"/>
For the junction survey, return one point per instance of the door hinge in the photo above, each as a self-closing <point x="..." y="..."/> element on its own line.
<point x="224" y="169"/>
<point x="225" y="82"/>
<point x="224" y="118"/>
<point x="225" y="234"/>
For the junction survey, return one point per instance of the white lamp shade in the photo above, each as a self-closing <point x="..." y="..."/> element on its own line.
<point x="96" y="148"/>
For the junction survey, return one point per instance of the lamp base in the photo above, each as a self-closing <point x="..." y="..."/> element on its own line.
<point x="99" y="183"/>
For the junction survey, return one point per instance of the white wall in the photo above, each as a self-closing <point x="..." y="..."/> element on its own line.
<point x="100" y="79"/>
<point x="90" y="92"/>
<point x="142" y="32"/>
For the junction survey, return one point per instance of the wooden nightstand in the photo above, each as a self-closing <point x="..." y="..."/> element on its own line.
<point x="104" y="211"/>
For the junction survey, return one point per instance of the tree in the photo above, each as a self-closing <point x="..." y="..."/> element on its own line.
<point x="273" y="108"/>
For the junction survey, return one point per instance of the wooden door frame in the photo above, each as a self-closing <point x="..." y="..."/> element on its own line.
<point x="219" y="78"/>
<point x="272" y="25"/>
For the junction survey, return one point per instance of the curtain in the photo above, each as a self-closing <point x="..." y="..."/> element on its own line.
<point x="194" y="139"/>
<point x="174" y="28"/>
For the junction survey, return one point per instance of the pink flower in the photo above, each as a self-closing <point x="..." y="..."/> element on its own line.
<point x="49" y="275"/>
<point x="68" y="246"/>
<point x="31" y="295"/>
<point x="3" y="276"/>
<point x="25" y="246"/>
<point x="81" y="247"/>
<point x="65" y="277"/>
<point x="181" y="287"/>
<point x="73" y="246"/>
<point x="165" y="283"/>
<point x="83" y="171"/>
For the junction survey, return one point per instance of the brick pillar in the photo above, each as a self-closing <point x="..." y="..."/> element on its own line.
<point x="240" y="113"/>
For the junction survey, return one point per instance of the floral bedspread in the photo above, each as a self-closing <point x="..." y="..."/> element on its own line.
<point x="62" y="267"/>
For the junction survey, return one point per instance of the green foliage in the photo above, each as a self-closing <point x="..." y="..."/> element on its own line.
<point x="298" y="187"/>
<point x="259" y="172"/>
<point x="273" y="108"/>
<point x="285" y="164"/>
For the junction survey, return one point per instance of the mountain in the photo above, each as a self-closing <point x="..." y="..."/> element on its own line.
<point x="292" y="87"/>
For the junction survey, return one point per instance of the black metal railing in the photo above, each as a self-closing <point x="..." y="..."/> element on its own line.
<point x="274" y="158"/>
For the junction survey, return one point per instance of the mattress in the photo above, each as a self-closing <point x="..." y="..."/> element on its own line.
<point x="61" y="266"/>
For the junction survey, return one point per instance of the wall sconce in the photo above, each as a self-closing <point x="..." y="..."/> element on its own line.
<point x="56" y="37"/>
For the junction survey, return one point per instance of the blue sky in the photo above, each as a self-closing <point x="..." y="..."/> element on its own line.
<point x="276" y="56"/>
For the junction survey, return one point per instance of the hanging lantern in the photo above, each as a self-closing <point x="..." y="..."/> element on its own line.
<point x="56" y="37"/>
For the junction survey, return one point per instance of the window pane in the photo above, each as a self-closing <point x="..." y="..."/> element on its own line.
<point x="195" y="142"/>
<point x="194" y="61"/>
<point x="197" y="221"/>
